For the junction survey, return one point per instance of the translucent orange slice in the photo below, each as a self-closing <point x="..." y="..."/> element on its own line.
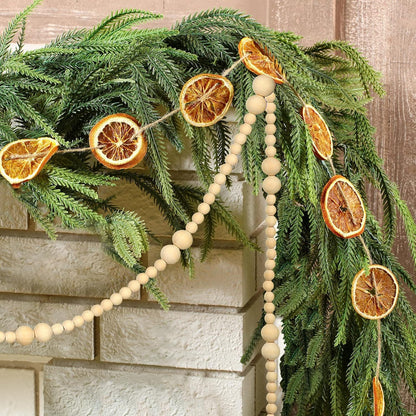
<point x="117" y="143"/>
<point x="205" y="99"/>
<point x="259" y="60"/>
<point x="321" y="136"/>
<point x="22" y="160"/>
<point x="375" y="295"/>
<point x="342" y="208"/>
<point x="378" y="396"/>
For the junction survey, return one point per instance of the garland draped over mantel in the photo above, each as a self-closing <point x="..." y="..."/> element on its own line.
<point x="64" y="89"/>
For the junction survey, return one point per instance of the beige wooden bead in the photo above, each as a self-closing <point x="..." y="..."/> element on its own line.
<point x="192" y="227"/>
<point x="271" y="408"/>
<point x="271" y="376"/>
<point x="271" y="107"/>
<point x="214" y="188"/>
<point x="43" y="332"/>
<point x="263" y="85"/>
<point x="151" y="271"/>
<point x="2" y="337"/>
<point x="268" y="296"/>
<point x="116" y="299"/>
<point x="270" y="318"/>
<point x="235" y="148"/>
<point x="240" y="139"/>
<point x="97" y="310"/>
<point x="10" y="337"/>
<point x="270" y="118"/>
<point x="78" y="320"/>
<point x="270" y="232"/>
<point x="270" y="365"/>
<point x="142" y="278"/>
<point x="245" y="129"/>
<point x="269" y="333"/>
<point x="125" y="292"/>
<point x="24" y="335"/>
<point x="106" y="304"/>
<point x="269" y="264"/>
<point x="270" y="210"/>
<point x="270" y="351"/>
<point x="270" y="140"/>
<point x="232" y="159"/>
<point x="269" y="307"/>
<point x="68" y="325"/>
<point x="270" y="129"/>
<point x="271" y="253"/>
<point x="204" y="208"/>
<point x="256" y="104"/>
<point x="220" y="179"/>
<point x="271" y="387"/>
<point x="271" y="398"/>
<point x="182" y="239"/>
<point x="209" y="198"/>
<point x="270" y="98"/>
<point x="170" y="253"/>
<point x="270" y="220"/>
<point x="271" y="166"/>
<point x="270" y="151"/>
<point x="250" y="118"/>
<point x="270" y="243"/>
<point x="88" y="315"/>
<point x="268" y="285"/>
<point x="272" y="185"/>
<point x="268" y="275"/>
<point x="270" y="199"/>
<point x="161" y="264"/>
<point x="58" y="329"/>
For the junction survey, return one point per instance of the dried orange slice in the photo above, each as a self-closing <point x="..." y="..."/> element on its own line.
<point x="378" y="396"/>
<point x="374" y="295"/>
<point x="22" y="160"/>
<point x="342" y="208"/>
<point x="116" y="141"/>
<point x="321" y="136"/>
<point x="205" y="99"/>
<point x="259" y="60"/>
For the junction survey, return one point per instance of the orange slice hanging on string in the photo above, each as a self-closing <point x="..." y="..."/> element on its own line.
<point x="117" y="143"/>
<point x="342" y="208"/>
<point x="259" y="60"/>
<point x="378" y="397"/>
<point x="374" y="295"/>
<point x="319" y="131"/>
<point x="205" y="99"/>
<point x="22" y="160"/>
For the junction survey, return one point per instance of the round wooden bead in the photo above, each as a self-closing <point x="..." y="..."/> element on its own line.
<point x="256" y="104"/>
<point x="269" y="318"/>
<point x="192" y="227"/>
<point x="263" y="85"/>
<point x="245" y="129"/>
<point x="271" y="408"/>
<point x="268" y="275"/>
<point x="198" y="218"/>
<point x="269" y="333"/>
<point x="270" y="210"/>
<point x="68" y="325"/>
<point x="268" y="285"/>
<point x="272" y="185"/>
<point x="270" y="365"/>
<point x="97" y="310"/>
<point x="209" y="198"/>
<point x="204" y="208"/>
<point x="271" y="253"/>
<point x="271" y="376"/>
<point x="220" y="179"/>
<point x="182" y="239"/>
<point x="24" y="335"/>
<point x="270" y="199"/>
<point x="125" y="292"/>
<point x="271" y="107"/>
<point x="250" y="118"/>
<point x="161" y="264"/>
<point x="142" y="278"/>
<point x="43" y="332"/>
<point x="268" y="296"/>
<point x="269" y="307"/>
<point x="270" y="220"/>
<point x="240" y="139"/>
<point x="271" y="166"/>
<point x="270" y="232"/>
<point x="78" y="320"/>
<point x="10" y="337"/>
<point x="271" y="397"/>
<point x="270" y="98"/>
<point x="271" y="387"/>
<point x="88" y="314"/>
<point x="270" y="243"/>
<point x="270" y="129"/>
<point x="151" y="271"/>
<point x="270" y="351"/>
<point x="270" y="118"/>
<point x="270" y="151"/>
<point x="270" y="140"/>
<point x="116" y="299"/>
<point x="2" y="337"/>
<point x="106" y="304"/>
<point x="235" y="148"/>
<point x="58" y="329"/>
<point x="214" y="188"/>
<point x="232" y="159"/>
<point x="170" y="253"/>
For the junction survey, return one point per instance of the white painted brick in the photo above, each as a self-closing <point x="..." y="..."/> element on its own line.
<point x="78" y="344"/>
<point x="12" y="213"/>
<point x="17" y="392"/>
<point x="254" y="209"/>
<point x="74" y="268"/>
<point x="137" y="391"/>
<point x="186" y="339"/>
<point x="225" y="278"/>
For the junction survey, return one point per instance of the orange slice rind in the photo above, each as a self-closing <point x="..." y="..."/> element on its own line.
<point x="378" y="396"/>
<point x="374" y="296"/>
<point x="342" y="208"/>
<point x="319" y="131"/>
<point x="116" y="141"/>
<point x="22" y="160"/>
<point x="205" y="99"/>
<point x="259" y="60"/>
